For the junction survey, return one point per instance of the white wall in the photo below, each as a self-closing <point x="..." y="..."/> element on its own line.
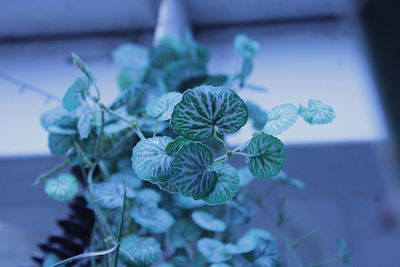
<point x="324" y="61"/>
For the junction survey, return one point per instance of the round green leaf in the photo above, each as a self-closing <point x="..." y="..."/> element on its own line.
<point x="317" y="112"/>
<point x="266" y="156"/>
<point x="161" y="107"/>
<point x="190" y="171"/>
<point x="213" y="250"/>
<point x="173" y="147"/>
<point x="62" y="188"/>
<point x="227" y="184"/>
<point x="110" y="195"/>
<point x="280" y="119"/>
<point x="206" y="221"/>
<point x="184" y="232"/>
<point x="152" y="218"/>
<point x="150" y="161"/>
<point x="169" y="186"/>
<point x="139" y="251"/>
<point x="205" y="109"/>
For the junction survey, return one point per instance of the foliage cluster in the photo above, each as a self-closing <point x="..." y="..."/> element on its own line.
<point x="156" y="168"/>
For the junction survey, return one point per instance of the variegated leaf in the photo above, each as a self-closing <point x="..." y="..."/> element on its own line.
<point x="266" y="155"/>
<point x="190" y="171"/>
<point x="280" y="119"/>
<point x="150" y="161"/>
<point x="227" y="185"/>
<point x="205" y="108"/>
<point x="317" y="112"/>
<point x="161" y="107"/>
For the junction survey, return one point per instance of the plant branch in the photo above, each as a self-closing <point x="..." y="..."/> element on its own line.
<point x="304" y="238"/>
<point x="29" y="87"/>
<point x="282" y="234"/>
<point x="215" y="134"/>
<point x="86" y="255"/>
<point x="52" y="171"/>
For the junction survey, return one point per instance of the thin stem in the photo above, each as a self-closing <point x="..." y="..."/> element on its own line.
<point x="240" y="154"/>
<point x="220" y="140"/>
<point x="132" y="124"/>
<point x="109" y="111"/>
<point x="120" y="227"/>
<point x="156" y="128"/>
<point x="52" y="171"/>
<point x="86" y="255"/>
<point x="82" y="153"/>
<point x="139" y="133"/>
<point x="103" y="231"/>
<point x="98" y="139"/>
<point x="304" y="238"/>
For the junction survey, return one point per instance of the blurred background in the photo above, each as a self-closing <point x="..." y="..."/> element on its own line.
<point x="342" y="52"/>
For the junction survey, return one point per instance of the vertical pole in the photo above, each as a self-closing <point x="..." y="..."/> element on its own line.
<point x="172" y="20"/>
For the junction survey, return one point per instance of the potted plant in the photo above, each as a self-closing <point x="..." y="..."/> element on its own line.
<point x="160" y="181"/>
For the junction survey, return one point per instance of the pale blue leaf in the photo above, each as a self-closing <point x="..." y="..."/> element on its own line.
<point x="150" y="161"/>
<point x="130" y="56"/>
<point x="73" y="97"/>
<point x="205" y="109"/>
<point x="245" y="46"/>
<point x="110" y="195"/>
<point x="222" y="264"/>
<point x="213" y="250"/>
<point x="127" y="177"/>
<point x="62" y="188"/>
<point x="50" y="118"/>
<point x="227" y="184"/>
<point x="84" y="124"/>
<point x="147" y="195"/>
<point x="317" y="113"/>
<point x="78" y="62"/>
<point x="280" y="119"/>
<point x="161" y="107"/>
<point x="152" y="218"/>
<point x="139" y="251"/>
<point x="188" y="202"/>
<point x="208" y="222"/>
